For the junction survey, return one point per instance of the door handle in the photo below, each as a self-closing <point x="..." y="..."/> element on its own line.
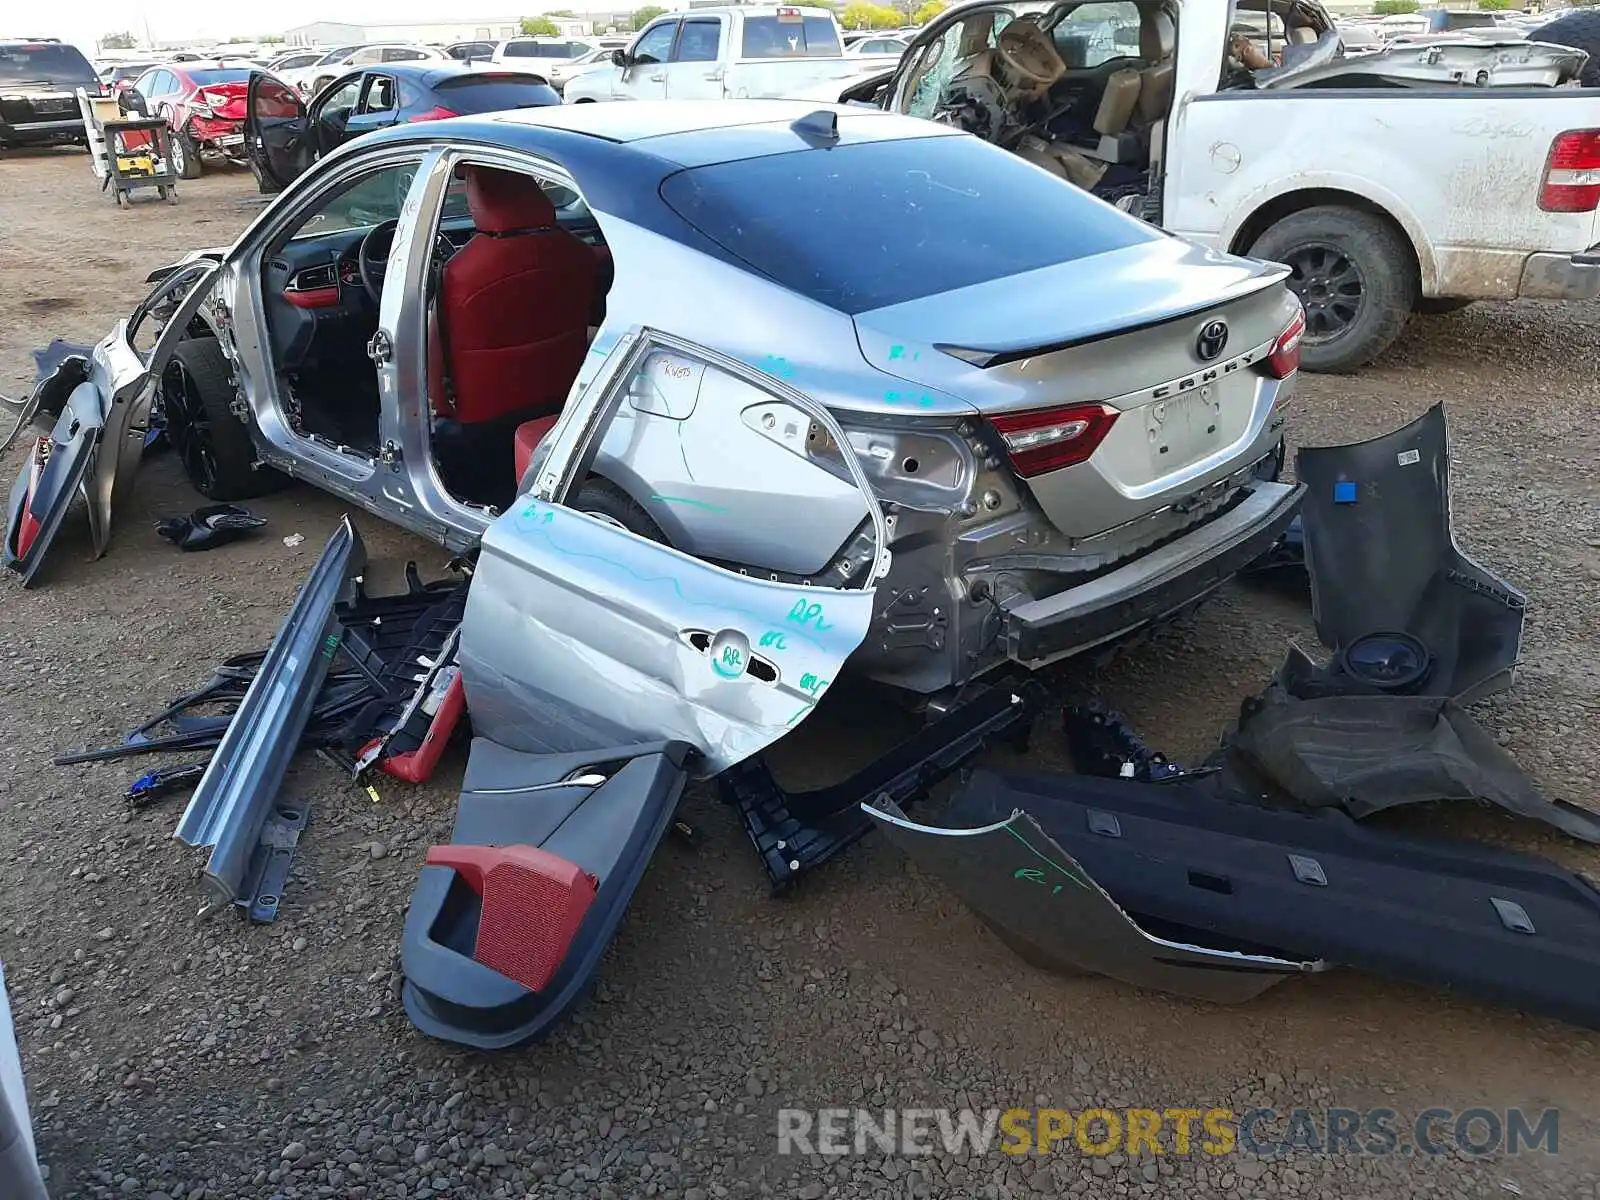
<point x="659" y="77"/>
<point x="714" y="76"/>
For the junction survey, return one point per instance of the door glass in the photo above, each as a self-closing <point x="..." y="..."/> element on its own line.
<point x="1095" y="33"/>
<point x="336" y="107"/>
<point x="366" y="201"/>
<point x="656" y="44"/>
<point x="380" y="94"/>
<point x="698" y="41"/>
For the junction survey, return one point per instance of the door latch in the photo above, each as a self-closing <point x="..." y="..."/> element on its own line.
<point x="390" y="454"/>
<point x="381" y="348"/>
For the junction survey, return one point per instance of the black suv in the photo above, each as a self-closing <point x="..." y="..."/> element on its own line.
<point x="37" y="81"/>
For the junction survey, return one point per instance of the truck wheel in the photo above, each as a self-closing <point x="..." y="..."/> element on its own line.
<point x="607" y="502"/>
<point x="1352" y="271"/>
<point x="1439" y="306"/>
<point x="185" y="155"/>
<point x="196" y="396"/>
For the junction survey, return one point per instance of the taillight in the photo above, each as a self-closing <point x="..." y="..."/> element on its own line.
<point x="1572" y="173"/>
<point x="1283" y="359"/>
<point x="1048" y="439"/>
<point x="434" y="114"/>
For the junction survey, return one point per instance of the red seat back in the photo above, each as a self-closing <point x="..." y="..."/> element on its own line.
<point x="514" y="304"/>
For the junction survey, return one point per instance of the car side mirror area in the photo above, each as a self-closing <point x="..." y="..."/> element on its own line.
<point x="621" y="58"/>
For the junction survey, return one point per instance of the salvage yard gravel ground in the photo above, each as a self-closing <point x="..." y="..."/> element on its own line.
<point x="174" y="1059"/>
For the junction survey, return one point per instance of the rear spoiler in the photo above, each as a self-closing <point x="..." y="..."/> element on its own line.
<point x="985" y="357"/>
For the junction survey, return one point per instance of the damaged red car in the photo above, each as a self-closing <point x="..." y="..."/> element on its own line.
<point x="202" y="104"/>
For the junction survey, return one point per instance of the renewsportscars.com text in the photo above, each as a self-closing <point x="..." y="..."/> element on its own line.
<point x="1261" y="1132"/>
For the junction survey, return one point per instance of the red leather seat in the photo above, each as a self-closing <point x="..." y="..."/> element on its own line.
<point x="528" y="436"/>
<point x="514" y="306"/>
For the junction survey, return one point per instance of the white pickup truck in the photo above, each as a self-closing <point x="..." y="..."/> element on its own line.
<point x="1414" y="179"/>
<point x="738" y="53"/>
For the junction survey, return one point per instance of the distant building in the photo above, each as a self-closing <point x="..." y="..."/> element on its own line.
<point x="467" y="29"/>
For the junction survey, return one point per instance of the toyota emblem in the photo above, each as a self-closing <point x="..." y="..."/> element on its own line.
<point x="1212" y="341"/>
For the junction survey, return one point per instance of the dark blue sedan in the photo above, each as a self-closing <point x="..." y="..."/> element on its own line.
<point x="284" y="136"/>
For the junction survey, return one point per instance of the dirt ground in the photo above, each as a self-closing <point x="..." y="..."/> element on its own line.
<point x="169" y="1057"/>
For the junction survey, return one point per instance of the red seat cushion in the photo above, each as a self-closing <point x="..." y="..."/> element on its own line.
<point x="528" y="436"/>
<point x="514" y="305"/>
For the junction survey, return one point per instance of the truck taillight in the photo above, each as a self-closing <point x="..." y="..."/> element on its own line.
<point x="1572" y="173"/>
<point x="1048" y="439"/>
<point x="1283" y="359"/>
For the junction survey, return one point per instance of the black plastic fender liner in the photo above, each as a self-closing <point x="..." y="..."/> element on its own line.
<point x="1366" y="753"/>
<point x="514" y="798"/>
<point x="1040" y="901"/>
<point x="233" y="799"/>
<point x="1383" y="559"/>
<point x="1189" y="864"/>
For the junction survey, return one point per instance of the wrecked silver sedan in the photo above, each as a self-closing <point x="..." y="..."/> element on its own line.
<point x="1073" y="421"/>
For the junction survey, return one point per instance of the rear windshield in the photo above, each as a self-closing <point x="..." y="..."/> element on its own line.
<point x="43" y="62"/>
<point x="863" y="226"/>
<point x="791" y="37"/>
<point x="489" y="93"/>
<point x="219" y="75"/>
<point x="545" y="49"/>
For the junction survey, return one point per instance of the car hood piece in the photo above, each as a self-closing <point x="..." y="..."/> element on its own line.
<point x="1044" y="905"/>
<point x="1192" y="863"/>
<point x="1469" y="62"/>
<point x="1383" y="560"/>
<point x="233" y="799"/>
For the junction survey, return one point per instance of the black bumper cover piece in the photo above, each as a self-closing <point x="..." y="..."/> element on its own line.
<point x="1383" y="560"/>
<point x="611" y="831"/>
<point x="1193" y="867"/>
<point x="1038" y="631"/>
<point x="796" y="832"/>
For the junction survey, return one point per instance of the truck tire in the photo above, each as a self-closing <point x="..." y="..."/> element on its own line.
<point x="214" y="446"/>
<point x="1353" y="272"/>
<point x="1439" y="306"/>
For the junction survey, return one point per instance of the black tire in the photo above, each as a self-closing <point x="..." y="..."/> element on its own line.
<point x="187" y="152"/>
<point x="584" y="100"/>
<point x="213" y="445"/>
<point x="1439" y="306"/>
<point x="603" y="499"/>
<point x="1354" y="272"/>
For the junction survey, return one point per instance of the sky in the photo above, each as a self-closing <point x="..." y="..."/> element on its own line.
<point x="82" y="21"/>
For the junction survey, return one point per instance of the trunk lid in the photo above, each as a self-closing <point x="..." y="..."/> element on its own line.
<point x="226" y="100"/>
<point x="1122" y="329"/>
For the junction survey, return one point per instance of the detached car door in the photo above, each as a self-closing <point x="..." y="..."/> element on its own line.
<point x="279" y="138"/>
<point x="580" y="635"/>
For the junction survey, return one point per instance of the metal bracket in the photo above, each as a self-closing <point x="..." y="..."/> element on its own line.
<point x="271" y="861"/>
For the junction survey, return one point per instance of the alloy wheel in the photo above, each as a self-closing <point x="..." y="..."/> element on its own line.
<point x="188" y="427"/>
<point x="1330" y="286"/>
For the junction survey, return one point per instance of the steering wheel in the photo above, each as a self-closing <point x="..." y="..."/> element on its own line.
<point x="372" y="258"/>
<point x="1028" y="53"/>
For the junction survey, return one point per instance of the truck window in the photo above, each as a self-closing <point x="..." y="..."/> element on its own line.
<point x="44" y="62"/>
<point x="698" y="41"/>
<point x="655" y="44"/>
<point x="1096" y="33"/>
<point x="796" y="36"/>
<point x="865" y="225"/>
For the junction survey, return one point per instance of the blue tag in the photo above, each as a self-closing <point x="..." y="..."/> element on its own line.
<point x="1344" y="492"/>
